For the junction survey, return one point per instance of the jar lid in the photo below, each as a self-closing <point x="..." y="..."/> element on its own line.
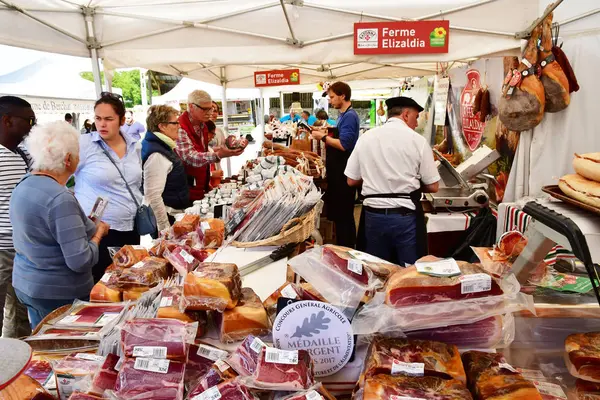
<point x="16" y="355"/>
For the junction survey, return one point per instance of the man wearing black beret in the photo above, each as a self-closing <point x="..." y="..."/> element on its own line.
<point x="395" y="166"/>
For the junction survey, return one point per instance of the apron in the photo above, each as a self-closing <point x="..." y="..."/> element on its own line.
<point x="415" y="197"/>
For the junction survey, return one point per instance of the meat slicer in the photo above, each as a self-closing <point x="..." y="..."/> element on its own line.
<point x="456" y="192"/>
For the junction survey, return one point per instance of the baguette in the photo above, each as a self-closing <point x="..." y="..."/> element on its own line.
<point x="588" y="165"/>
<point x="579" y="188"/>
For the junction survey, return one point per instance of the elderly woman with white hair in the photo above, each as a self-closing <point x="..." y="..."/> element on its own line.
<point x="56" y="244"/>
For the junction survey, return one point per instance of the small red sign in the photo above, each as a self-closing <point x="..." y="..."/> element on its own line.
<point x="472" y="127"/>
<point x="403" y="37"/>
<point x="277" y="77"/>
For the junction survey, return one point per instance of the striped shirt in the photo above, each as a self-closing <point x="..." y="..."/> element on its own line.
<point x="12" y="169"/>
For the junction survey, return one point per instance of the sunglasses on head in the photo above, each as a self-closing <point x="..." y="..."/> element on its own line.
<point x="205" y="109"/>
<point x="111" y="95"/>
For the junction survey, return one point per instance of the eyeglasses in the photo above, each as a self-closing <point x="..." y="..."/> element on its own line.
<point x="115" y="96"/>
<point x="32" y="120"/>
<point x="172" y="123"/>
<point x="205" y="109"/>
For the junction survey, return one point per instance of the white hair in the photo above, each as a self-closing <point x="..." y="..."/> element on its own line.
<point x="199" y="97"/>
<point x="49" y="143"/>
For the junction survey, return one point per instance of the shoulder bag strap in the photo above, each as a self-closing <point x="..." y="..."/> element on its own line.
<point x="120" y="173"/>
<point x="24" y="157"/>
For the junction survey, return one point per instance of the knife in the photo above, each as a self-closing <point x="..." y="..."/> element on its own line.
<point x="276" y="255"/>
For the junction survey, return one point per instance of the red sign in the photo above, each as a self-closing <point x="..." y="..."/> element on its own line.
<point x="406" y="37"/>
<point x="277" y="78"/>
<point x="472" y="127"/>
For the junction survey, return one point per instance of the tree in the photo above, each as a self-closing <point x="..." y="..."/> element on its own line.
<point x="127" y="81"/>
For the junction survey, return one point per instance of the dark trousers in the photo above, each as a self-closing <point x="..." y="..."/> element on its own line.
<point x="345" y="231"/>
<point x="116" y="239"/>
<point x="392" y="237"/>
<point x="38" y="309"/>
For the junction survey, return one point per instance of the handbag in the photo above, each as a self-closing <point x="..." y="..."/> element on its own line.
<point x="145" y="220"/>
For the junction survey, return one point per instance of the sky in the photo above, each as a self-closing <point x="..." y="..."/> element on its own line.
<point x="14" y="58"/>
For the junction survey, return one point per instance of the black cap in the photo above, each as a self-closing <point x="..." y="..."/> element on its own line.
<point x="402" y="101"/>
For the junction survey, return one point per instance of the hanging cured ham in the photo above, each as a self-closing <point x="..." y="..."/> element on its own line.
<point x="556" y="84"/>
<point x="523" y="100"/>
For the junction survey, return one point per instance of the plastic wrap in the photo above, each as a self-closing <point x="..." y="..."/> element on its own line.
<point x="84" y="396"/>
<point x="303" y="291"/>
<point x="148" y="272"/>
<point x="212" y="286"/>
<point x="423" y="388"/>
<point x="55" y="338"/>
<point x="376" y="316"/>
<point x="188" y="224"/>
<point x="158" y="248"/>
<point x="249" y="317"/>
<point x="157" y="338"/>
<point x="135" y="293"/>
<point x="107" y="289"/>
<point x="245" y="358"/>
<point x="218" y="373"/>
<point x="198" y="363"/>
<point x="169" y="308"/>
<point x="582" y="356"/>
<point x="128" y="256"/>
<point x="145" y="378"/>
<point x="106" y="376"/>
<point x="282" y="370"/>
<point x="73" y="369"/>
<point x="587" y="390"/>
<point x="338" y="288"/>
<point x="85" y="314"/>
<point x="182" y="259"/>
<point x="229" y="390"/>
<point x="211" y="232"/>
<point x="317" y="392"/>
<point x="40" y="370"/>
<point x="346" y="260"/>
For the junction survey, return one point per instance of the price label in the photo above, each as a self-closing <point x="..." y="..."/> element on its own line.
<point x="211" y="353"/>
<point x="120" y="364"/>
<point x="166" y="302"/>
<point x="204" y="226"/>
<point x="475" y="283"/>
<point x="532" y="374"/>
<point x="222" y="365"/>
<point x="359" y="255"/>
<point x="69" y="319"/>
<point x="179" y="217"/>
<point x="277" y="356"/>
<point x="89" y="357"/>
<point x="138" y="247"/>
<point x="508" y="367"/>
<point x="209" y="394"/>
<point x="550" y="389"/>
<point x="355" y="266"/>
<point x="289" y="292"/>
<point x="313" y="395"/>
<point x="138" y="265"/>
<point x="410" y="369"/>
<point x="257" y="345"/>
<point x="150" y="352"/>
<point x="152" y="365"/>
<point x="106" y="277"/>
<point x="187" y="257"/>
<point x="442" y="268"/>
<point x="106" y="318"/>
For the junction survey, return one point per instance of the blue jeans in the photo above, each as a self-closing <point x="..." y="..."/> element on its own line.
<point x="38" y="309"/>
<point x="392" y="237"/>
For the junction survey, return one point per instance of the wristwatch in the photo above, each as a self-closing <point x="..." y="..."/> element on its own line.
<point x="324" y="139"/>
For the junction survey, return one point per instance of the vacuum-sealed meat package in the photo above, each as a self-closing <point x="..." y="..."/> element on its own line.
<point x="106" y="377"/>
<point x="423" y="388"/>
<point x="218" y="373"/>
<point x="200" y="359"/>
<point x="107" y="289"/>
<point x="317" y="392"/>
<point x="169" y="308"/>
<point x="157" y="338"/>
<point x="148" y="272"/>
<point x="249" y="317"/>
<point x="582" y="356"/>
<point x="149" y="378"/>
<point x="245" y="358"/>
<point x="73" y="369"/>
<point x="212" y="286"/>
<point x="229" y="390"/>
<point x="181" y="259"/>
<point x="211" y="232"/>
<point x="347" y="260"/>
<point x="283" y="370"/>
<point x="52" y="338"/>
<point x="85" y="314"/>
<point x="188" y="224"/>
<point x="128" y="256"/>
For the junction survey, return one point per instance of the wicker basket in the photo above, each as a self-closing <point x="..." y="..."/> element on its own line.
<point x="295" y="230"/>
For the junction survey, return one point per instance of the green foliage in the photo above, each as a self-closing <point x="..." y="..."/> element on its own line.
<point x="127" y="81"/>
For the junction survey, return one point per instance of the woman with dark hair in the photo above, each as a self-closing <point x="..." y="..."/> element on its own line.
<point x="111" y="168"/>
<point x="87" y="127"/>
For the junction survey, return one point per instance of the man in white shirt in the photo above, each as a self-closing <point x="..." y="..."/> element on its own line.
<point x="395" y="165"/>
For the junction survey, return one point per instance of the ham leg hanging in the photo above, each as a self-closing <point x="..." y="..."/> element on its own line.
<point x="522" y="104"/>
<point x="556" y="84"/>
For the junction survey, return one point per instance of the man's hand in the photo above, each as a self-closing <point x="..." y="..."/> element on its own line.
<point x="224" y="152"/>
<point x="318" y="134"/>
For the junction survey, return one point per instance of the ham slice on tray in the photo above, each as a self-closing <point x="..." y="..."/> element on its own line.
<point x="404" y="387"/>
<point x="490" y="377"/>
<point x="164" y="338"/>
<point x="339" y="257"/>
<point x="212" y="286"/>
<point x="556" y="84"/>
<point x="249" y="317"/>
<point x="408" y="287"/>
<point x="273" y="373"/>
<point x="138" y="383"/>
<point x="582" y="355"/>
<point x="129" y="255"/>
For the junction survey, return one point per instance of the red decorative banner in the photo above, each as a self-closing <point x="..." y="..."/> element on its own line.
<point x="472" y="127"/>
<point x="277" y="77"/>
<point x="405" y="37"/>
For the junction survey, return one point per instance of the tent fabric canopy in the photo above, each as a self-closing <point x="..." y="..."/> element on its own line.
<point x="226" y="41"/>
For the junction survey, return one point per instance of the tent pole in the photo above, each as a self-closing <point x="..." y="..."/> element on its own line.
<point x="281" y="105"/>
<point x="263" y="112"/>
<point x="577" y="18"/>
<point x="225" y="116"/>
<point x="96" y="71"/>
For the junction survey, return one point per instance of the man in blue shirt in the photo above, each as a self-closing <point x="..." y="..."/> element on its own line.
<point x="133" y="128"/>
<point x="340" y="197"/>
<point x="292" y="116"/>
<point x="309" y="119"/>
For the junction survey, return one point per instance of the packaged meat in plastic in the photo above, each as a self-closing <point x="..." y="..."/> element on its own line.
<point x="85" y="314"/>
<point x="490" y="377"/>
<point x="188" y="224"/>
<point x="317" y="392"/>
<point x="341" y="290"/>
<point x="376" y="316"/>
<point x="212" y="286"/>
<point x="587" y="390"/>
<point x="148" y="378"/>
<point x="228" y="390"/>
<point x="52" y="338"/>
<point x="424" y="388"/>
<point x="73" y="369"/>
<point x="40" y="370"/>
<point x="106" y="377"/>
<point x="181" y="259"/>
<point x="249" y="317"/>
<point x="498" y="260"/>
<point x="398" y="356"/>
<point x="346" y="260"/>
<point x="283" y="370"/>
<point x="25" y="388"/>
<point x="157" y="338"/>
<point x="200" y="359"/>
<point x="211" y="232"/>
<point x="245" y="358"/>
<point x="107" y="289"/>
<point x="135" y="293"/>
<point x="219" y="372"/>
<point x="303" y="291"/>
<point x="128" y="256"/>
<point x="489" y="333"/>
<point x="306" y="291"/>
<point x="169" y="308"/>
<point x="84" y="396"/>
<point x="582" y="356"/>
<point x="148" y="272"/>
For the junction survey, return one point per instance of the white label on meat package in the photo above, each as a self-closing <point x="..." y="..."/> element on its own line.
<point x="475" y="283"/>
<point x="152" y="365"/>
<point x="277" y="356"/>
<point x="50" y="383"/>
<point x="150" y="351"/>
<point x="222" y="365"/>
<point x="257" y="345"/>
<point x="531" y="374"/>
<point x="355" y="266"/>
<point x="64" y="384"/>
<point x="313" y="395"/>
<point x="106" y="318"/>
<point x="446" y="267"/>
<point x="69" y="319"/>
<point x="89" y="357"/>
<point x="166" y="302"/>
<point x="359" y="255"/>
<point x="106" y="277"/>
<point x="410" y="369"/>
<point x="179" y="217"/>
<point x="209" y="394"/>
<point x="393" y="397"/>
<point x="508" y="367"/>
<point x="120" y="364"/>
<point x="550" y="389"/>
<point x="187" y="256"/>
<point x="138" y="247"/>
<point x="211" y="353"/>
<point x="289" y="292"/>
<point x="204" y="225"/>
<point x="139" y="264"/>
